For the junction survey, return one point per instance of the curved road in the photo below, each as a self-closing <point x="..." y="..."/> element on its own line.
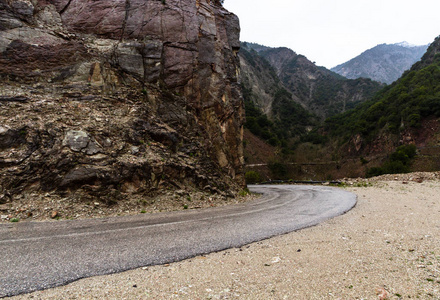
<point x="40" y="255"/>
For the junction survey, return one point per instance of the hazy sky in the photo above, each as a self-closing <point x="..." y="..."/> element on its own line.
<point x="331" y="32"/>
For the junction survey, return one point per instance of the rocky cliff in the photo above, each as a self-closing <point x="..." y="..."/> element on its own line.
<point x="384" y="63"/>
<point x="113" y="98"/>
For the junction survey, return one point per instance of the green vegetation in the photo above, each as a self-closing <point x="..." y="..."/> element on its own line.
<point x="314" y="137"/>
<point x="279" y="170"/>
<point x="252" y="177"/>
<point x="15" y="220"/>
<point x="288" y="119"/>
<point x="398" y="162"/>
<point x="244" y="192"/>
<point x="291" y="118"/>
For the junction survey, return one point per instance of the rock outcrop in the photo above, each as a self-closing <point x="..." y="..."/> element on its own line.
<point x="111" y="98"/>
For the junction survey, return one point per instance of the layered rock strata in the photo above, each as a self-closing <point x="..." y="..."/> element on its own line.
<point x="111" y="98"/>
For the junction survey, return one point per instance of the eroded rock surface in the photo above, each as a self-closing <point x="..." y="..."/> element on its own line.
<point x="110" y="98"/>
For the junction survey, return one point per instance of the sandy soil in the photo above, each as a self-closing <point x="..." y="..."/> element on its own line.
<point x="388" y="247"/>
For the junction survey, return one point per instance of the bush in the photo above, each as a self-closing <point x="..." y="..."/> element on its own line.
<point x="279" y="170"/>
<point x="252" y="177"/>
<point x="375" y="171"/>
<point x="398" y="162"/>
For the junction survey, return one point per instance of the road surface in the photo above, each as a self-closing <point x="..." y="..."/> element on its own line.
<point x="41" y="255"/>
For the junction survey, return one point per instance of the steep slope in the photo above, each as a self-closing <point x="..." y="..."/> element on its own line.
<point x="406" y="112"/>
<point x="272" y="112"/>
<point x="107" y="99"/>
<point x="384" y="63"/>
<point x="319" y="90"/>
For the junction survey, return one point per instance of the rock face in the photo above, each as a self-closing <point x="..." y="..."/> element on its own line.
<point x="384" y="63"/>
<point x="110" y="98"/>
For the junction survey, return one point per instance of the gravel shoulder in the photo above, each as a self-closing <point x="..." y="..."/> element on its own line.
<point x="385" y="248"/>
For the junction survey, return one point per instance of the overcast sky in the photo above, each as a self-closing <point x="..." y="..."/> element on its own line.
<point x="331" y="32"/>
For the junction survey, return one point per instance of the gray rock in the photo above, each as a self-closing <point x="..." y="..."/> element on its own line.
<point x="76" y="140"/>
<point x="80" y="175"/>
<point x="129" y="58"/>
<point x="80" y="141"/>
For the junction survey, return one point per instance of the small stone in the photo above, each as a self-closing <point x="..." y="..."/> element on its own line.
<point x="276" y="260"/>
<point x="382" y="294"/>
<point x="4" y="217"/>
<point x="54" y="214"/>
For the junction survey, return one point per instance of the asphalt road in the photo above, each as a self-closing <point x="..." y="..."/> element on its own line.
<point x="41" y="255"/>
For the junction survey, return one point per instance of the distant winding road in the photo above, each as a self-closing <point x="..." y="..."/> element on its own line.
<point x="41" y="255"/>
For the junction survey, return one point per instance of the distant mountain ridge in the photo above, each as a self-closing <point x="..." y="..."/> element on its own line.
<point x="405" y="112"/>
<point x="384" y="63"/>
<point x="286" y="95"/>
<point x="319" y="90"/>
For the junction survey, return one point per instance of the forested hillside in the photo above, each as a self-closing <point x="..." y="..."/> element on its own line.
<point x="396" y="130"/>
<point x="271" y="111"/>
<point x="402" y="105"/>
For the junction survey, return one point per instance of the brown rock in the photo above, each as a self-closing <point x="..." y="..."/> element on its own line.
<point x="54" y="214"/>
<point x="102" y="78"/>
<point x="382" y="294"/>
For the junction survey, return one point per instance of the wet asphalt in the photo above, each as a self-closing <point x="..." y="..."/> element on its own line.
<point x="41" y="255"/>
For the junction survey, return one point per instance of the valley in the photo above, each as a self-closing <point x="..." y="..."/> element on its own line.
<point x="329" y="127"/>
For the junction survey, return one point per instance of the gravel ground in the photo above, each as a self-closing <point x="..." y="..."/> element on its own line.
<point x="52" y="207"/>
<point x="385" y="248"/>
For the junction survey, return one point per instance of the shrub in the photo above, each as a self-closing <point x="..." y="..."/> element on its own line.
<point x="252" y="177"/>
<point x="279" y="170"/>
<point x="398" y="162"/>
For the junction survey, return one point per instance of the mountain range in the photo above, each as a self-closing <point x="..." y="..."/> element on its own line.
<point x="319" y="90"/>
<point x="384" y="63"/>
<point x="358" y="137"/>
